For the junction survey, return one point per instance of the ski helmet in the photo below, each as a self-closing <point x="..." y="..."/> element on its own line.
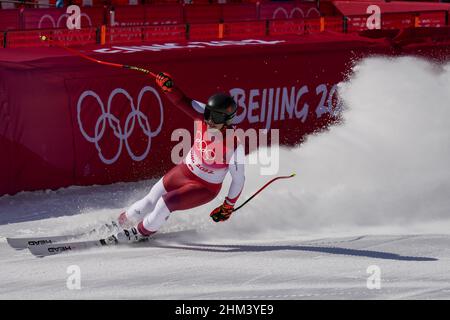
<point x="221" y="108"/>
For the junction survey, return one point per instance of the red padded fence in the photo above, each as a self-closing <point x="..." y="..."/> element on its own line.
<point x="302" y="26"/>
<point x="355" y="24"/>
<point x="247" y="30"/>
<point x="126" y="16"/>
<point x="285" y="27"/>
<point x="26" y="39"/>
<point x="240" y="12"/>
<point x="9" y="19"/>
<point x="56" y="18"/>
<point x="204" y="31"/>
<point x="358" y="23"/>
<point x="145" y="15"/>
<point x="116" y="35"/>
<point x="334" y="24"/>
<point x="164" y="14"/>
<point x="203" y="13"/>
<point x="31" y="38"/>
<point x="432" y="19"/>
<point x="164" y="33"/>
<point x="397" y="20"/>
<point x="238" y="30"/>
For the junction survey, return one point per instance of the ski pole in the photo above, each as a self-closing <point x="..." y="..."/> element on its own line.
<point x="262" y="188"/>
<point x="82" y="55"/>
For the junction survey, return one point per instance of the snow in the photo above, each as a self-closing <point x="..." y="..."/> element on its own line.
<point x="372" y="191"/>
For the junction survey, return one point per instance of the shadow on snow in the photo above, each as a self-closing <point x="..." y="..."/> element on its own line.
<point x="308" y="248"/>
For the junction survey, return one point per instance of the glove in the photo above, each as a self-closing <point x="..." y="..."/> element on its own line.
<point x="222" y="213"/>
<point x="164" y="80"/>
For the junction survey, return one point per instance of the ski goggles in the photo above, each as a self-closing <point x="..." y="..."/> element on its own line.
<point x="217" y="117"/>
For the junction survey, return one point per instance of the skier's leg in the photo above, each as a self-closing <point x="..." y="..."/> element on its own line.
<point x="182" y="190"/>
<point x="141" y="208"/>
<point x="177" y="177"/>
<point x="189" y="196"/>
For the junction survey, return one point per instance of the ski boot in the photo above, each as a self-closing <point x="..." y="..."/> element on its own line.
<point x="131" y="235"/>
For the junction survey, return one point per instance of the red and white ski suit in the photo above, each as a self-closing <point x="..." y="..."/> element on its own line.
<point x="195" y="181"/>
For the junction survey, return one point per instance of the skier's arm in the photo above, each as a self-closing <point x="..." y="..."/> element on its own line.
<point x="237" y="171"/>
<point x="191" y="107"/>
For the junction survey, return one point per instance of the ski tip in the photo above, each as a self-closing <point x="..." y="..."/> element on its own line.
<point x="40" y="252"/>
<point x="40" y="256"/>
<point x="13" y="243"/>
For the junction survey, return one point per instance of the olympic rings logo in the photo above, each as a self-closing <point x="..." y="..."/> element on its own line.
<point x="122" y="134"/>
<point x="61" y="17"/>
<point x="293" y="11"/>
<point x="206" y="153"/>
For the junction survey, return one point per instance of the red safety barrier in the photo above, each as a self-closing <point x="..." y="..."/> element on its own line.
<point x="322" y="24"/>
<point x="116" y="35"/>
<point x="2" y="40"/>
<point x="335" y="24"/>
<point x="126" y="16"/>
<point x="431" y="35"/>
<point x="397" y="20"/>
<point x="432" y="19"/>
<point x="27" y="39"/>
<point x="164" y="14"/>
<point x="82" y="37"/>
<point x="31" y="38"/>
<point x="286" y="27"/>
<point x="210" y="13"/>
<point x="240" y="12"/>
<point x="204" y="31"/>
<point x="9" y="19"/>
<point x="164" y="33"/>
<point x="327" y="8"/>
<point x="356" y="24"/>
<point x="56" y="18"/>
<point x="238" y="30"/>
<point x="314" y="25"/>
<point x="350" y="8"/>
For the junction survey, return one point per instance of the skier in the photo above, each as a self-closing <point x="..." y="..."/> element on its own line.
<point x="198" y="179"/>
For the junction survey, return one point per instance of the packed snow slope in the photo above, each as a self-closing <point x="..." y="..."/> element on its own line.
<point x="373" y="190"/>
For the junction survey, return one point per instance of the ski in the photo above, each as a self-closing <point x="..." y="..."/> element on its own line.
<point x="23" y="243"/>
<point x="45" y="250"/>
<point x="56" y="248"/>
